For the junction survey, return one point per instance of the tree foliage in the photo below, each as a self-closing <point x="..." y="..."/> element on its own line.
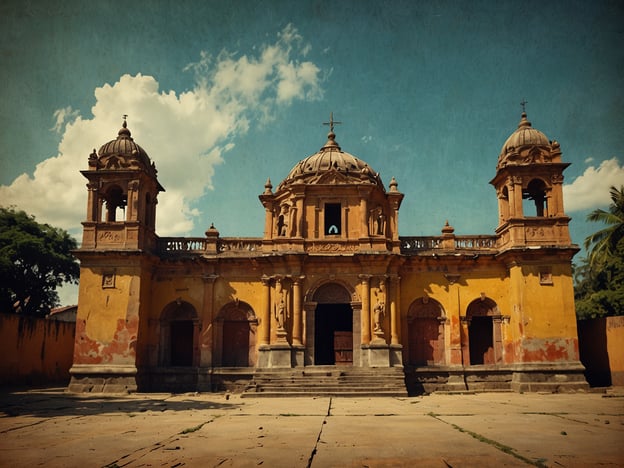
<point x="599" y="280"/>
<point x="34" y="260"/>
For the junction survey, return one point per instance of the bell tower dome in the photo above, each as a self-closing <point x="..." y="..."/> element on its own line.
<point x="529" y="187"/>
<point x="123" y="187"/>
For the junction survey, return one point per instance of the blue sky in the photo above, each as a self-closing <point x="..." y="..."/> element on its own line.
<point x="223" y="95"/>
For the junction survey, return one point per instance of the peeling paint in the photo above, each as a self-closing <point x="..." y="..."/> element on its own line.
<point x="120" y="350"/>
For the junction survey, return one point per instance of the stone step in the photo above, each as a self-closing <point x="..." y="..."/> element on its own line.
<point x="317" y="385"/>
<point x="327" y="381"/>
<point x="337" y="393"/>
<point x="345" y="381"/>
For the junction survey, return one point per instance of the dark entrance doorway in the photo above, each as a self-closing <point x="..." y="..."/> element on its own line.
<point x="181" y="343"/>
<point x="235" y="343"/>
<point x="481" y="339"/>
<point x="333" y="334"/>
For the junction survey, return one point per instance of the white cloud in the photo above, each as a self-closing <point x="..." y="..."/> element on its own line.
<point x="62" y="116"/>
<point x="591" y="189"/>
<point x="187" y="134"/>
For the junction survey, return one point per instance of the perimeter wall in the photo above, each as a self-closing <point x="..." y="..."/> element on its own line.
<point x="35" y="350"/>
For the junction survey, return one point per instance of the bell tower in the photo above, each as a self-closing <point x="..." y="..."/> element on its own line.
<point x="528" y="183"/>
<point x="123" y="190"/>
<point x="116" y="260"/>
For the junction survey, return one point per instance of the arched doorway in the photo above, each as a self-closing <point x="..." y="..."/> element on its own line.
<point x="178" y="335"/>
<point x="425" y="319"/>
<point x="331" y="326"/>
<point x="484" y="332"/>
<point x="236" y="326"/>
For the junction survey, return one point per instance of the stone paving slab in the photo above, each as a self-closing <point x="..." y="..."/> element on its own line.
<point x="48" y="427"/>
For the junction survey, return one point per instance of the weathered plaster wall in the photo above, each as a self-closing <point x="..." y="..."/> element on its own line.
<point x="34" y="351"/>
<point x="543" y="317"/>
<point x="601" y="342"/>
<point x="107" y="323"/>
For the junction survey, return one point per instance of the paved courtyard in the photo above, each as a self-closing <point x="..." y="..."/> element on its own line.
<point x="48" y="427"/>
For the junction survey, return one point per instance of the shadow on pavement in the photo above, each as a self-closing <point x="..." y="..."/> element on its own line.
<point x="51" y="402"/>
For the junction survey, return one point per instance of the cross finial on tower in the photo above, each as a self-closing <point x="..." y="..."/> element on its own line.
<point x="125" y="124"/>
<point x="523" y="103"/>
<point x="331" y="122"/>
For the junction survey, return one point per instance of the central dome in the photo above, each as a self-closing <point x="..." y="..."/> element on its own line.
<point x="330" y="159"/>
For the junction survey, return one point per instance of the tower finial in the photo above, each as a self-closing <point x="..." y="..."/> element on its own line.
<point x="331" y="122"/>
<point x="125" y="124"/>
<point x="523" y="103"/>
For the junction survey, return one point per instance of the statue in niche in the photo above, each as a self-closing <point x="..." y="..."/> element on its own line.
<point x="282" y="221"/>
<point x="377" y="222"/>
<point x="281" y="305"/>
<point x="379" y="311"/>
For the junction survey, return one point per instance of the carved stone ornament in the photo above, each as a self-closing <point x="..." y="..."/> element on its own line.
<point x="108" y="280"/>
<point x="332" y="247"/>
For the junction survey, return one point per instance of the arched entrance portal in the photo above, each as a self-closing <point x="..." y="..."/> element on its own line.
<point x="235" y="334"/>
<point x="179" y="331"/>
<point x="425" y="319"/>
<point x="333" y="327"/>
<point x="484" y="332"/>
<point x="333" y="334"/>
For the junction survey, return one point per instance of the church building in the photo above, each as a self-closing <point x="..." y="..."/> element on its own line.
<point x="331" y="298"/>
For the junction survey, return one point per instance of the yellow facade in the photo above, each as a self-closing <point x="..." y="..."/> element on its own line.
<point x="330" y="283"/>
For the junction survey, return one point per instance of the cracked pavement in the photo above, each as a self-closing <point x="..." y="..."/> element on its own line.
<point x="48" y="427"/>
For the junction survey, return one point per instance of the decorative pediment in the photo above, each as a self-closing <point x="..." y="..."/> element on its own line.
<point x="333" y="178"/>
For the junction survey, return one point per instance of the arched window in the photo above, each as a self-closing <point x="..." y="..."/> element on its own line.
<point x="425" y="319"/>
<point x="333" y="219"/>
<point x="115" y="202"/>
<point x="536" y="192"/>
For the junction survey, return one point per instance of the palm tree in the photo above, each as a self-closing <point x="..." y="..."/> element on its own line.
<point x="604" y="243"/>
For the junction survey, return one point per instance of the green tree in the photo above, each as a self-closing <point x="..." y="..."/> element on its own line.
<point x="34" y="260"/>
<point x="604" y="243"/>
<point x="599" y="279"/>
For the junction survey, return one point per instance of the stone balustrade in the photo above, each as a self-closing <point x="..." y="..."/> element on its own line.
<point x="200" y="245"/>
<point x="413" y="245"/>
<point x="234" y="245"/>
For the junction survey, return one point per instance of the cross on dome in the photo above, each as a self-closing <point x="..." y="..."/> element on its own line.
<point x="331" y="122"/>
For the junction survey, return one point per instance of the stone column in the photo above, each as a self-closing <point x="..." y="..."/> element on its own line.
<point x="394" y="319"/>
<point x="92" y="203"/>
<point x="364" y="217"/>
<point x="131" y="201"/>
<point x="207" y="338"/>
<point x="366" y="328"/>
<point x="297" y="311"/>
<point x="517" y="196"/>
<point x="465" y="343"/>
<point x="455" y="320"/>
<point x="264" y="349"/>
<point x="265" y="313"/>
<point x="300" y="216"/>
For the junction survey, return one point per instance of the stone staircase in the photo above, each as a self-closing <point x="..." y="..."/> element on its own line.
<point x="344" y="381"/>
